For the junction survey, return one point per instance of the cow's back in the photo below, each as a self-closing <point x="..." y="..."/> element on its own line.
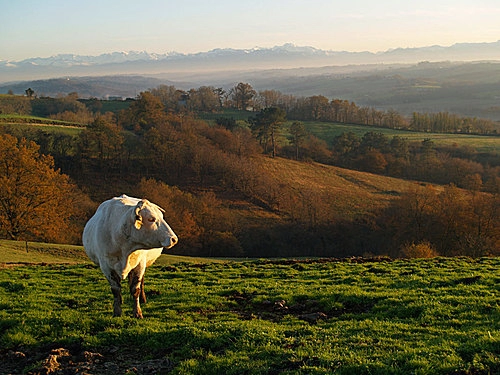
<point x="100" y="232"/>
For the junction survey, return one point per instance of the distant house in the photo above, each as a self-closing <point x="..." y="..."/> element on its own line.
<point x="110" y="97"/>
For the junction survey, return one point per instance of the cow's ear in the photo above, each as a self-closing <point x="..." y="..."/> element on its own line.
<point x="138" y="222"/>
<point x="137" y="213"/>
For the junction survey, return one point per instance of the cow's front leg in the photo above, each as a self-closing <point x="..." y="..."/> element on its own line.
<point x="135" y="281"/>
<point x="143" y="294"/>
<point x="116" y="288"/>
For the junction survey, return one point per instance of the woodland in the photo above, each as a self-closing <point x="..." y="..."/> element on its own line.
<point x="204" y="155"/>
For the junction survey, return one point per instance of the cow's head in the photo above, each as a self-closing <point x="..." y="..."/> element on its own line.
<point x="151" y="228"/>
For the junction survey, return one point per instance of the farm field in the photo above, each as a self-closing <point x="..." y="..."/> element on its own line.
<point x="283" y="316"/>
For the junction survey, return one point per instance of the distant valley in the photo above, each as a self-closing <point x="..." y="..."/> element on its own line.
<point x="457" y="79"/>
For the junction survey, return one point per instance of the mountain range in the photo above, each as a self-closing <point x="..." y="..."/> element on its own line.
<point x="462" y="79"/>
<point x="282" y="57"/>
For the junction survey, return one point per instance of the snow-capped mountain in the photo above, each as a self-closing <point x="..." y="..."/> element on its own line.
<point x="78" y="60"/>
<point x="285" y="56"/>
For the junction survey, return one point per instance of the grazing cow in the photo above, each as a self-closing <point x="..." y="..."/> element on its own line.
<point x="125" y="236"/>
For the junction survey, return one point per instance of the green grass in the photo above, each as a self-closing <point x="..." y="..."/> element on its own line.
<point x="238" y="115"/>
<point x="14" y="252"/>
<point x="14" y="118"/>
<point x="328" y="131"/>
<point x="114" y="106"/>
<point x="40" y="123"/>
<point x="437" y="316"/>
<point x="36" y="252"/>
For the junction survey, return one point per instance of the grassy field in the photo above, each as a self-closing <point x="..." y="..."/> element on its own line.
<point x="40" y="123"/>
<point x="21" y="252"/>
<point x="322" y="316"/>
<point x="32" y="120"/>
<point x="328" y="131"/>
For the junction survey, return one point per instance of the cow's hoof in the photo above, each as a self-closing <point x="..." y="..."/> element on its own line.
<point x="138" y="314"/>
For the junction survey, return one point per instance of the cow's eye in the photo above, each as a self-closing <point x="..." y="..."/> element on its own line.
<point x="151" y="220"/>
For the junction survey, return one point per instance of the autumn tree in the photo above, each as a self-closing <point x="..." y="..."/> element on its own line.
<point x="205" y="99"/>
<point x="318" y="107"/>
<point x="36" y="201"/>
<point x="221" y="95"/>
<point x="15" y="104"/>
<point x="147" y="111"/>
<point x="46" y="107"/>
<point x="454" y="221"/>
<point x="269" y="98"/>
<point x="242" y="94"/>
<point x="410" y="219"/>
<point x="372" y="161"/>
<point x="374" y="141"/>
<point x="172" y="98"/>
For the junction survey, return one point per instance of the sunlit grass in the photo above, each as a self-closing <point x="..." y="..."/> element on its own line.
<point x="434" y="316"/>
<point x="351" y="193"/>
<point x="328" y="131"/>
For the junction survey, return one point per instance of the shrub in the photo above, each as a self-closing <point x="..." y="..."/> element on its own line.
<point x="420" y="250"/>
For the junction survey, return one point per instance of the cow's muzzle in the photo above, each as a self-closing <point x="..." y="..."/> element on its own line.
<point x="170" y="243"/>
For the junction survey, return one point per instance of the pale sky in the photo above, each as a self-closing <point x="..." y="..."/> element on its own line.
<point x="42" y="28"/>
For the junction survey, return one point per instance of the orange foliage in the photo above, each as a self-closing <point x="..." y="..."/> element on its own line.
<point x="36" y="201"/>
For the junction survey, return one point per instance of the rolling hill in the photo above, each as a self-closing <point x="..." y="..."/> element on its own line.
<point x="350" y="193"/>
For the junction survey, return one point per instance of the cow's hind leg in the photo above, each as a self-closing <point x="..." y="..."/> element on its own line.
<point x="116" y="288"/>
<point x="135" y="281"/>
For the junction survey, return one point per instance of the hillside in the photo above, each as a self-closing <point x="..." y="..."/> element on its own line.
<point x="350" y="193"/>
<point x="226" y="197"/>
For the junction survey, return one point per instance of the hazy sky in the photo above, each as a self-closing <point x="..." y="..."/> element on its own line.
<point x="42" y="28"/>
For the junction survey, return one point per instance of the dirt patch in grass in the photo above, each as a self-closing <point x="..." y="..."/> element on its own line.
<point x="73" y="359"/>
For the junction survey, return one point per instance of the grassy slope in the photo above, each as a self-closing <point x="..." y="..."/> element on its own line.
<point x="353" y="193"/>
<point x="14" y="252"/>
<point x="34" y="252"/>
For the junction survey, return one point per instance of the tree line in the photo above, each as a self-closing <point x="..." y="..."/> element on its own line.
<point x="244" y="97"/>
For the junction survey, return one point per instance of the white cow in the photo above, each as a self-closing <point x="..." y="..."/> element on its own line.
<point x="125" y="236"/>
